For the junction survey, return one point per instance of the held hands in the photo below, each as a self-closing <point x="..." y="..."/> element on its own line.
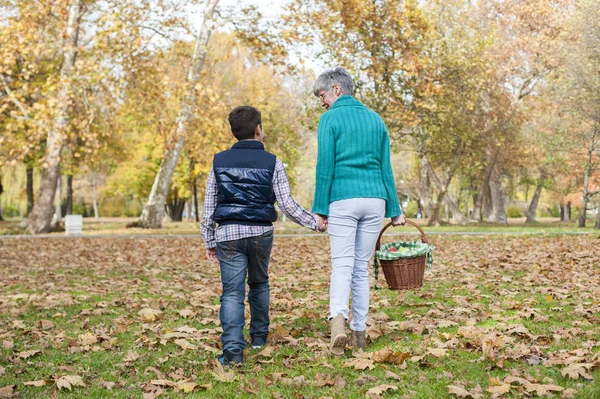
<point x="322" y="221"/>
<point x="399" y="220"/>
<point x="211" y="255"/>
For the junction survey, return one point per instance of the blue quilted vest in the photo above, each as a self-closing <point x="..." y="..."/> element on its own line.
<point x="244" y="177"/>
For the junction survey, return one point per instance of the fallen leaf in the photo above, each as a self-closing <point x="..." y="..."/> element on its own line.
<point x="38" y="383"/>
<point x="69" y="381"/>
<point x="541" y="389"/>
<point x="185" y="344"/>
<point x="267" y="352"/>
<point x="437" y="352"/>
<point x="185" y="313"/>
<point x="386" y="355"/>
<point x="149" y="314"/>
<point x="108" y="385"/>
<point x="163" y="383"/>
<point x="223" y="376"/>
<point x="499" y="389"/>
<point x="87" y="339"/>
<point x="577" y="370"/>
<point x="7" y="391"/>
<point x="461" y="392"/>
<point x="376" y="392"/>
<point x="186" y="386"/>
<point x="360" y="364"/>
<point x="131" y="357"/>
<point x="2" y="371"/>
<point x="28" y="354"/>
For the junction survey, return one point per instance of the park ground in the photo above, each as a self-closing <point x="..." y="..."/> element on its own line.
<point x="512" y="312"/>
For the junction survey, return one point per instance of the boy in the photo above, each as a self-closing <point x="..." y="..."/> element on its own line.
<point x="242" y="187"/>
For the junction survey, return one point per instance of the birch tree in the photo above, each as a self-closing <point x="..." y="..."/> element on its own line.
<point x="154" y="210"/>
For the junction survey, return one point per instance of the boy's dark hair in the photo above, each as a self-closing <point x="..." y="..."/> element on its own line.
<point x="243" y="121"/>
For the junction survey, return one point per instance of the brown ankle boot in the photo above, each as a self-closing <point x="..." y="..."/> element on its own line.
<point x="338" y="335"/>
<point x="357" y="339"/>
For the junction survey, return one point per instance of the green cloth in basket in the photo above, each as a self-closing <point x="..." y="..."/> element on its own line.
<point x="406" y="249"/>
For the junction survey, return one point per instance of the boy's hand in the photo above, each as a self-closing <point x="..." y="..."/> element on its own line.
<point x="399" y="220"/>
<point x="322" y="223"/>
<point x="211" y="255"/>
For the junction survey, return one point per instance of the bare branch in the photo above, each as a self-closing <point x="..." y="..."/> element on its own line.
<point x="156" y="31"/>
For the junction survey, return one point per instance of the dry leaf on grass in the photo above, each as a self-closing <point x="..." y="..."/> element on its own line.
<point x="149" y="314"/>
<point x="69" y="381"/>
<point x="360" y="364"/>
<point x="185" y="344"/>
<point x="7" y="391"/>
<point x="577" y="370"/>
<point x="185" y="313"/>
<point x="131" y="357"/>
<point x="186" y="386"/>
<point x="37" y="383"/>
<point x="386" y="355"/>
<point x="499" y="389"/>
<point x="28" y="354"/>
<point x="461" y="392"/>
<point x="376" y="392"/>
<point x="223" y="376"/>
<point x="542" y="389"/>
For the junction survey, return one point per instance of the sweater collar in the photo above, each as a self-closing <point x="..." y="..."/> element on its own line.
<point x="345" y="101"/>
<point x="248" y="145"/>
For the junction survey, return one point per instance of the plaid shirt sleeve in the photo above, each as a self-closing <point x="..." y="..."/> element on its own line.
<point x="207" y="227"/>
<point x="287" y="204"/>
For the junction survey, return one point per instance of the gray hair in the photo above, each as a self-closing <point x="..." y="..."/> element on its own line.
<point x="338" y="76"/>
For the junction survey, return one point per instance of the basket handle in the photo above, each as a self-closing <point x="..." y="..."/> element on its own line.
<point x="423" y="238"/>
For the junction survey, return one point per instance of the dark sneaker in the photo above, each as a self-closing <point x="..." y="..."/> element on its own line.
<point x="231" y="357"/>
<point x="258" y="342"/>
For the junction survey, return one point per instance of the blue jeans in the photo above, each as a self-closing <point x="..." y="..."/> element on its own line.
<point x="237" y="258"/>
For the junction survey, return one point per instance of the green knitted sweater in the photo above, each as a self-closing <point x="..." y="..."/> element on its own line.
<point x="354" y="157"/>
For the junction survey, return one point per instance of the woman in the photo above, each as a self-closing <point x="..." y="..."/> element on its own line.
<point x="354" y="191"/>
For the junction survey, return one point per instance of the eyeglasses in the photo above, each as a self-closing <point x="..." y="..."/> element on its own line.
<point x="322" y="95"/>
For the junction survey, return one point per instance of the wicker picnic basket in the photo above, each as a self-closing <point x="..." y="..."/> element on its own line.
<point x="405" y="271"/>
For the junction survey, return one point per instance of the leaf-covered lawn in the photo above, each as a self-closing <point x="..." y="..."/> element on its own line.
<point x="498" y="316"/>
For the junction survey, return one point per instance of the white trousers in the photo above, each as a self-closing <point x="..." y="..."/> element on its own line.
<point x="354" y="225"/>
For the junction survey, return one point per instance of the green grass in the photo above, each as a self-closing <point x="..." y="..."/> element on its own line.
<point x="486" y="284"/>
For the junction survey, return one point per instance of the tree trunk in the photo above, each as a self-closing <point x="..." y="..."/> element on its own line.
<point x="597" y="224"/>
<point x="1" y="191"/>
<point x="195" y="191"/>
<point x="69" y="207"/>
<point x="446" y="198"/>
<point x="57" y="208"/>
<point x="586" y="177"/>
<point x="40" y="218"/>
<point x="153" y="212"/>
<point x="434" y="217"/>
<point x="561" y="208"/>
<point x="94" y="197"/>
<point x="29" y="189"/>
<point x="498" y="210"/>
<point x="485" y="182"/>
<point x="532" y="211"/>
<point x="425" y="187"/>
<point x="568" y="211"/>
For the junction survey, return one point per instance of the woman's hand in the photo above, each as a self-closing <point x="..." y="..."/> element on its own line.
<point x="322" y="220"/>
<point x="399" y="220"/>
